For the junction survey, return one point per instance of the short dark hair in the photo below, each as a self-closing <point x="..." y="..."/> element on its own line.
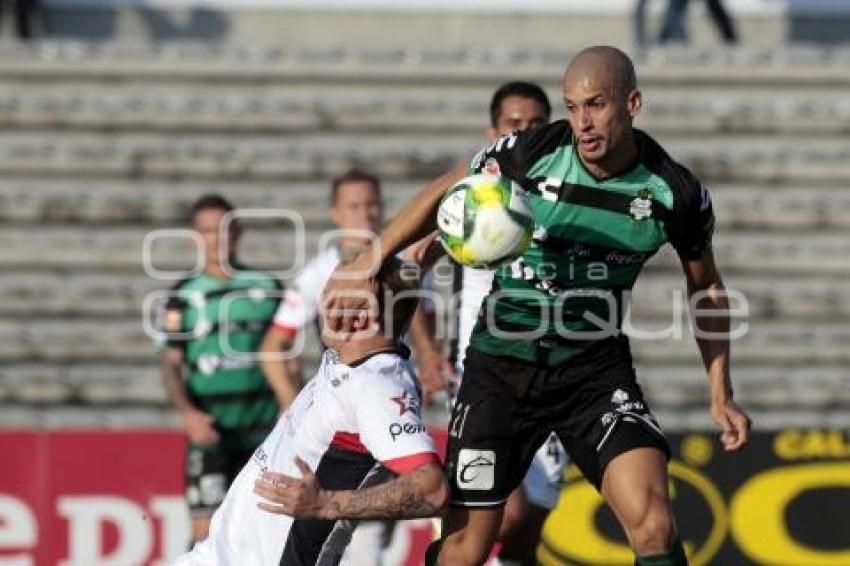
<point x="354" y="175"/>
<point x="213" y="202"/>
<point x="518" y="88"/>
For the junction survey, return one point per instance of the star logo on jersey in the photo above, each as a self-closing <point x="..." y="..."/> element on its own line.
<point x="406" y="404"/>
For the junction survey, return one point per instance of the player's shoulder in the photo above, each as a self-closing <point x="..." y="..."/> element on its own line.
<point x="684" y="184"/>
<point x="520" y="150"/>
<point x="313" y="276"/>
<point x="386" y="370"/>
<point x="181" y="292"/>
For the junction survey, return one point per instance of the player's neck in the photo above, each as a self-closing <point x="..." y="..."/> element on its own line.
<point x="358" y="349"/>
<point x="216" y="271"/>
<point x="619" y="161"/>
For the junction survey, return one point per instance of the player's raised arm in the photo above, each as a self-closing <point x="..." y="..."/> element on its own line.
<point x="347" y="304"/>
<point x="422" y="492"/>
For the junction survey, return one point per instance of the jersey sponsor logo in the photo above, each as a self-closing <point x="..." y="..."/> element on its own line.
<point x="208" y="364"/>
<point x="406" y="404"/>
<point x="397" y="429"/>
<point x="641" y="207"/>
<point x="623" y="258"/>
<point x="476" y="469"/>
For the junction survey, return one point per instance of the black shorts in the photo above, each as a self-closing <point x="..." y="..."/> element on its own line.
<point x="209" y="472"/>
<point x="507" y="407"/>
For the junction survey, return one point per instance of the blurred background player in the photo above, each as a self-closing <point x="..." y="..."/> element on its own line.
<point x="515" y="106"/>
<point x="214" y="324"/>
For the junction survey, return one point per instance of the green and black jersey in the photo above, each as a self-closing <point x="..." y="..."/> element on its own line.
<point x="219" y="325"/>
<point x="591" y="239"/>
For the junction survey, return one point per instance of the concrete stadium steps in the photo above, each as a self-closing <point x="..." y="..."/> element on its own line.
<point x="765" y="342"/>
<point x="300" y="107"/>
<point x="101" y="384"/>
<point x="812" y="387"/>
<point x="729" y="158"/>
<point x="768" y="65"/>
<point x="166" y="204"/>
<point x="94" y="384"/>
<point x="775" y="342"/>
<point x="61" y="341"/>
<point x="120" y="248"/>
<point x="111" y="296"/>
<point x="131" y="415"/>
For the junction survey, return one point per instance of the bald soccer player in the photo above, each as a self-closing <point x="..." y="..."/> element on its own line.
<point x="549" y="354"/>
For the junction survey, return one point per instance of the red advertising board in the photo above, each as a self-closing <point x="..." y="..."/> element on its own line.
<point x="80" y="498"/>
<point x="89" y="497"/>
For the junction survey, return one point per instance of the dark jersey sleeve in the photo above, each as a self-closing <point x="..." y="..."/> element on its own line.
<point x="513" y="155"/>
<point x="692" y="224"/>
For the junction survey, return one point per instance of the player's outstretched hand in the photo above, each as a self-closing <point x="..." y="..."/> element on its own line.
<point x="349" y="298"/>
<point x="200" y="427"/>
<point x="435" y="370"/>
<point x="296" y="497"/>
<point x="734" y="425"/>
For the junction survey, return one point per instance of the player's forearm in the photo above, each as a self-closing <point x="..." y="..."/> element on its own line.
<point x="420" y="493"/>
<point x="416" y="219"/>
<point x="282" y="372"/>
<point x="421" y="334"/>
<point x="171" y="368"/>
<point x="712" y="336"/>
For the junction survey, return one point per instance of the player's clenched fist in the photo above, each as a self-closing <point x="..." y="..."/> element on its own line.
<point x="734" y="424"/>
<point x="296" y="497"/>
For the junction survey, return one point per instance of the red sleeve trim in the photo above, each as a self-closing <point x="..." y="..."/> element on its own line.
<point x="348" y="441"/>
<point x="288" y="331"/>
<point x="407" y="464"/>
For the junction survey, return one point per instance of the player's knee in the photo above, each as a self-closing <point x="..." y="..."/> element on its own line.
<point x="652" y="533"/>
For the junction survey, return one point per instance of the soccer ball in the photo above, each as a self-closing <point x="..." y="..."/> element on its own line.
<point x="484" y="221"/>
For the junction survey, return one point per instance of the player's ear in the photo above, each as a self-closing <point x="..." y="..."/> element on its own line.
<point x="634" y="102"/>
<point x="492" y="134"/>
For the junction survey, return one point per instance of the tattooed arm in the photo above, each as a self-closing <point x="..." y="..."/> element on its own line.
<point x="422" y="492"/>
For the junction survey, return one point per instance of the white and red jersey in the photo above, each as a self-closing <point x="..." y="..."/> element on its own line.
<point x="347" y="424"/>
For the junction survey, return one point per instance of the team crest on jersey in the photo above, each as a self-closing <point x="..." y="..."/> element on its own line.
<point x="491" y="167"/>
<point x="619" y="397"/>
<point x="406" y="404"/>
<point x="641" y="206"/>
